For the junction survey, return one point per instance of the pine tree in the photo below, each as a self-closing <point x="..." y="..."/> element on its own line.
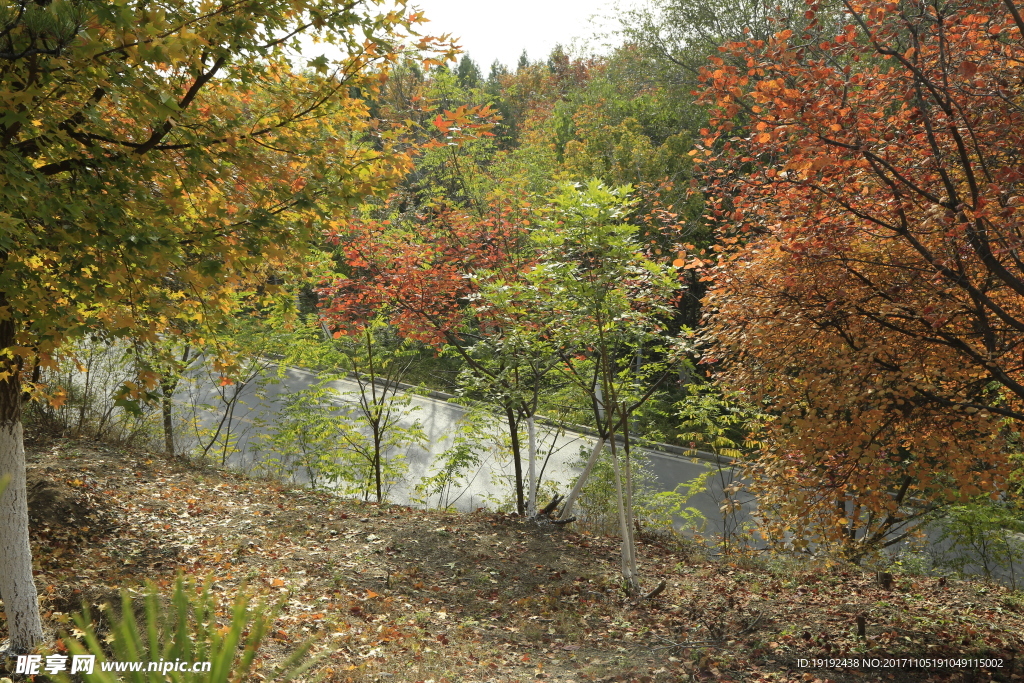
<point x="468" y="73"/>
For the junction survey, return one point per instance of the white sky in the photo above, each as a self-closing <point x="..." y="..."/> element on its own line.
<point x="501" y="29"/>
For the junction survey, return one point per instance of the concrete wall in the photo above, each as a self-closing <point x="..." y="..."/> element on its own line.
<point x="491" y="484"/>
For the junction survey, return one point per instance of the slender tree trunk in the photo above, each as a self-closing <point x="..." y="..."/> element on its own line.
<point x="167" y="408"/>
<point x="168" y="385"/>
<point x="532" y="466"/>
<point x="630" y="525"/>
<point x="17" y="588"/>
<point x="227" y="425"/>
<point x="377" y="469"/>
<point x="375" y="414"/>
<point x="630" y="575"/>
<point x="551" y="450"/>
<point x="581" y="481"/>
<point x="517" y="460"/>
<point x="86" y="393"/>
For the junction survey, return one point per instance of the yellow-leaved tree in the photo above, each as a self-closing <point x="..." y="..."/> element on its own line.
<point x="156" y="159"/>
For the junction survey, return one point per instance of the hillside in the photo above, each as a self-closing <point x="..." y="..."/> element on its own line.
<point x="403" y="595"/>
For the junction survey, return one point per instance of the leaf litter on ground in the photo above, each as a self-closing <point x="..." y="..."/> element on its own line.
<point x="392" y="593"/>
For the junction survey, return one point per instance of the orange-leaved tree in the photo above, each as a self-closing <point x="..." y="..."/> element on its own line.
<point x="871" y="285"/>
<point x="427" y="276"/>
<point x="156" y="159"/>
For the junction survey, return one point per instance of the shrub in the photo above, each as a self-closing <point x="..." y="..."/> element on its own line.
<point x="462" y="459"/>
<point x="985" y="534"/>
<point x="657" y="510"/>
<point x="83" y="384"/>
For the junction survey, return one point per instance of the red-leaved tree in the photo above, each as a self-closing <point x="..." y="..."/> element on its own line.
<point x="426" y="278"/>
<point x="870" y="184"/>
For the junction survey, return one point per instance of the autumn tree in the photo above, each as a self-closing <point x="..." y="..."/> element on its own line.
<point x="604" y="306"/>
<point x="154" y="160"/>
<point x="872" y="289"/>
<point x="424" y="276"/>
<point x="509" y="361"/>
<point x="369" y="354"/>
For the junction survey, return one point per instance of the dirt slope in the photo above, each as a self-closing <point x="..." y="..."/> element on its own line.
<point x="401" y="595"/>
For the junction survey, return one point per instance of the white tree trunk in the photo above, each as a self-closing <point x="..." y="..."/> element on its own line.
<point x="531" y="505"/>
<point x="630" y="575"/>
<point x="630" y="539"/>
<point x="17" y="589"/>
<point x="581" y="481"/>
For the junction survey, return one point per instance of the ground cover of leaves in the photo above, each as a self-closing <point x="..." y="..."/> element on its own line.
<point x="389" y="593"/>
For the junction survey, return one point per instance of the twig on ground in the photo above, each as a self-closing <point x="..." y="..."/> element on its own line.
<point x="752" y="624"/>
<point x="657" y="590"/>
<point x="672" y="644"/>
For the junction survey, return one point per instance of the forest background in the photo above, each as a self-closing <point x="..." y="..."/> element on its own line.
<point x="786" y="234"/>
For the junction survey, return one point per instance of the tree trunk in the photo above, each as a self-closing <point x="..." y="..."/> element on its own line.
<point x="167" y="408"/>
<point x="531" y="508"/>
<point x="17" y="588"/>
<point x="630" y="524"/>
<point x="168" y="385"/>
<point x="630" y="575"/>
<point x="377" y="474"/>
<point x="581" y="481"/>
<point x="513" y="428"/>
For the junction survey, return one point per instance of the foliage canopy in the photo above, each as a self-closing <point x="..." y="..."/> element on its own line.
<point x="872" y="293"/>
